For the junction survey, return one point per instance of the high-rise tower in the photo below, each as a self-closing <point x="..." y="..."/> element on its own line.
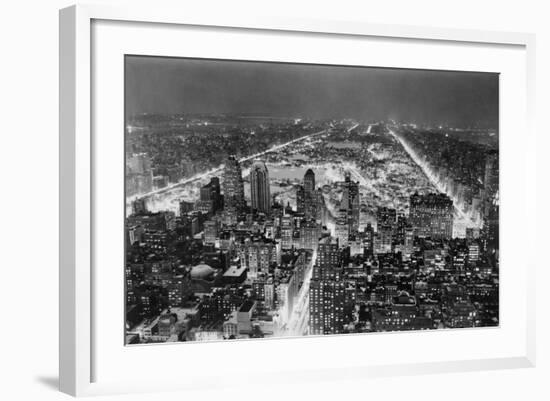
<point x="326" y="292"/>
<point x="233" y="188"/>
<point x="309" y="181"/>
<point x="259" y="187"/>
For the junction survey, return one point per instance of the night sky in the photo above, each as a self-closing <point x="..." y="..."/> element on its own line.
<point x="179" y="85"/>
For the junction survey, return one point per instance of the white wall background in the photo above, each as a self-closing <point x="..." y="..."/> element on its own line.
<point x="29" y="200"/>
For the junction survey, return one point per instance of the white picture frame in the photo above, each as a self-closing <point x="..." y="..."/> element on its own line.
<point x="78" y="350"/>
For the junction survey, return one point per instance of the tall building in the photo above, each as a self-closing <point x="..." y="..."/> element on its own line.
<point x="210" y="193"/>
<point x="257" y="254"/>
<point x="383" y="239"/>
<point x="342" y="228"/>
<point x="259" y="187"/>
<point x="233" y="187"/>
<point x="309" y="181"/>
<point x="473" y="253"/>
<point x="431" y="215"/>
<point x="408" y="242"/>
<point x="210" y="232"/>
<point x="328" y="259"/>
<point x="300" y="199"/>
<point x="287" y="231"/>
<point x="351" y="202"/>
<point x="321" y="209"/>
<point x="326" y="292"/>
<point x="368" y="238"/>
<point x="310" y="232"/>
<point x="489" y="233"/>
<point x="309" y="201"/>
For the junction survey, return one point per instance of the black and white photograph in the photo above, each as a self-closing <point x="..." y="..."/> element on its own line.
<point x="291" y="200"/>
<point x="270" y="200"/>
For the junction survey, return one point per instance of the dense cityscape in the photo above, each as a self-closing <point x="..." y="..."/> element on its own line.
<point x="247" y="226"/>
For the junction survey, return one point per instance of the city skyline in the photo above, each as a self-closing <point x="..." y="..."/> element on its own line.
<point x="248" y="226"/>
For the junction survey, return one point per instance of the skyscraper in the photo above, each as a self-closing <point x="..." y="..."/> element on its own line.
<point x="342" y="228"/>
<point x="310" y="232"/>
<point x="309" y="181"/>
<point x="287" y="229"/>
<point x="351" y="202"/>
<point x="210" y="193"/>
<point x="308" y="200"/>
<point x="259" y="187"/>
<point x="326" y="292"/>
<point x="431" y="215"/>
<point x="211" y="230"/>
<point x="233" y="187"/>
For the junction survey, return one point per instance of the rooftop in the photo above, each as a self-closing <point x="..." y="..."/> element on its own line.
<point x="234" y="271"/>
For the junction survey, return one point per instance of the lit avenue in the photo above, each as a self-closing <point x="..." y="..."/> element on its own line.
<point x="247" y="226"/>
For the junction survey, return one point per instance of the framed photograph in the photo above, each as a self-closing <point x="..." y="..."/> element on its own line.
<point x="297" y="200"/>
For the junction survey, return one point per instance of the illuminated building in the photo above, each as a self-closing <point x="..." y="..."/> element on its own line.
<point x="257" y="254"/>
<point x="351" y="202"/>
<point x="401" y="314"/>
<point x="161" y="221"/>
<point x="408" y="241"/>
<point x="461" y="314"/>
<point x="309" y="181"/>
<point x="473" y="253"/>
<point x="326" y="292"/>
<point x="368" y="238"/>
<point x="383" y="239"/>
<point x="269" y="293"/>
<point x="287" y="231"/>
<point x="342" y="229"/>
<point x="205" y="207"/>
<point x="178" y="290"/>
<point x="285" y="290"/>
<point x="155" y="240"/>
<point x="431" y="215"/>
<point x="233" y="187"/>
<point x="310" y="232"/>
<point x="210" y="232"/>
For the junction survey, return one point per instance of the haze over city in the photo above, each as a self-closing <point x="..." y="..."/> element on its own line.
<point x="181" y="85"/>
